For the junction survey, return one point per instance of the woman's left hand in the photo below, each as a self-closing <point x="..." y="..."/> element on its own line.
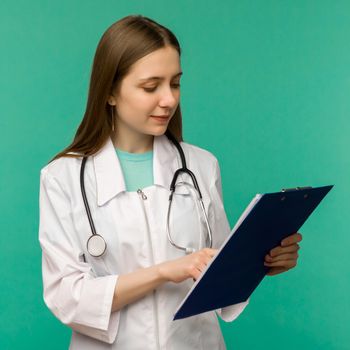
<point x="283" y="257"/>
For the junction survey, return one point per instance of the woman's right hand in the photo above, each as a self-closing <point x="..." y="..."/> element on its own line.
<point x="191" y="265"/>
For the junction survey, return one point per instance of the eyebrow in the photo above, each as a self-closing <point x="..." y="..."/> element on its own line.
<point x="159" y="78"/>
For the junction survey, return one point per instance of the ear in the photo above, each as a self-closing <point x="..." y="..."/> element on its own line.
<point x="111" y="100"/>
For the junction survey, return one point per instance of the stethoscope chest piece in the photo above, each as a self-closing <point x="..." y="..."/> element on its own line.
<point x="96" y="245"/>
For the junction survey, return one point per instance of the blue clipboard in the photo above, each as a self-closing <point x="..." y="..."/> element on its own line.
<point x="238" y="267"/>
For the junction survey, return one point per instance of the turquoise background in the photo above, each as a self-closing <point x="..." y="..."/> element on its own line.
<point x="265" y="88"/>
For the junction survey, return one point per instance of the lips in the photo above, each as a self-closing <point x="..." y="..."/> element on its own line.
<point x="161" y="119"/>
<point x="160" y="116"/>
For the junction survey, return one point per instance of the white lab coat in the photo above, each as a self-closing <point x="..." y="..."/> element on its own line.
<point x="79" y="293"/>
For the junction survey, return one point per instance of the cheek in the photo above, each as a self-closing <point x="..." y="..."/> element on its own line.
<point x="136" y="107"/>
<point x="142" y="103"/>
<point x="146" y="102"/>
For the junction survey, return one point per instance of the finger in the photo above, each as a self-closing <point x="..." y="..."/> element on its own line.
<point x="210" y="251"/>
<point x="281" y="255"/>
<point x="196" y="274"/>
<point x="282" y="263"/>
<point x="282" y="250"/>
<point x="290" y="256"/>
<point x="203" y="257"/>
<point x="294" y="238"/>
<point x="276" y="270"/>
<point x="200" y="267"/>
<point x="207" y="260"/>
<point x="197" y="266"/>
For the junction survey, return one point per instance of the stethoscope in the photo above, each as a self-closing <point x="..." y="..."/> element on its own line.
<point x="96" y="245"/>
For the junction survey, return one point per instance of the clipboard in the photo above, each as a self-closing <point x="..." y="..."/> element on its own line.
<point x="238" y="267"/>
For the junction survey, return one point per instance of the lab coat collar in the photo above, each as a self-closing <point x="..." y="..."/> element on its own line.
<point x="108" y="172"/>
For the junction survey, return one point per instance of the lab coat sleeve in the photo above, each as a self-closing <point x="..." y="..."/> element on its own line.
<point x="71" y="291"/>
<point x="220" y="230"/>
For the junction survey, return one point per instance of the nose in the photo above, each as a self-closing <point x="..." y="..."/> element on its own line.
<point x="169" y="98"/>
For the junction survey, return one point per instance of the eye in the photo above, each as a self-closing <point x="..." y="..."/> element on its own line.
<point x="149" y="89"/>
<point x="176" y="86"/>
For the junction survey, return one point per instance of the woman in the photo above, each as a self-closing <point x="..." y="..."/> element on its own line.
<point x="126" y="298"/>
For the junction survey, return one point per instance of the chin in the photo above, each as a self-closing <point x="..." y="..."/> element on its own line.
<point x="159" y="131"/>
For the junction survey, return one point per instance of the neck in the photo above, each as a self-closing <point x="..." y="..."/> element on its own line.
<point x="133" y="143"/>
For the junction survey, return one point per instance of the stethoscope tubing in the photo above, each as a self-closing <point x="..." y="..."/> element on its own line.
<point x="88" y="212"/>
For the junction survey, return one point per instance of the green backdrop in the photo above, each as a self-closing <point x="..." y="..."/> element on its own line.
<point x="265" y="88"/>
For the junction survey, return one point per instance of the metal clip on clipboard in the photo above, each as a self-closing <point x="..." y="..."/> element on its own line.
<point x="295" y="189"/>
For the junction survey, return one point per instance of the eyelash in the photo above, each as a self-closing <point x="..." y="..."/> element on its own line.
<point x="153" y="89"/>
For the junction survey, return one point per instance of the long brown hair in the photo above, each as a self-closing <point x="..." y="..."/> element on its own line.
<point x="121" y="45"/>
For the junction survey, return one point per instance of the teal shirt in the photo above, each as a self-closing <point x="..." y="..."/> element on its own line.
<point x="137" y="169"/>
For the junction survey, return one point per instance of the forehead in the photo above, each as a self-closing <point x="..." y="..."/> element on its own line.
<point x="162" y="63"/>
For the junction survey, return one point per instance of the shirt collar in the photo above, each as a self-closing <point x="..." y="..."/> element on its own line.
<point x="109" y="175"/>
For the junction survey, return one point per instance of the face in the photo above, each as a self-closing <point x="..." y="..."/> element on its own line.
<point x="151" y="88"/>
